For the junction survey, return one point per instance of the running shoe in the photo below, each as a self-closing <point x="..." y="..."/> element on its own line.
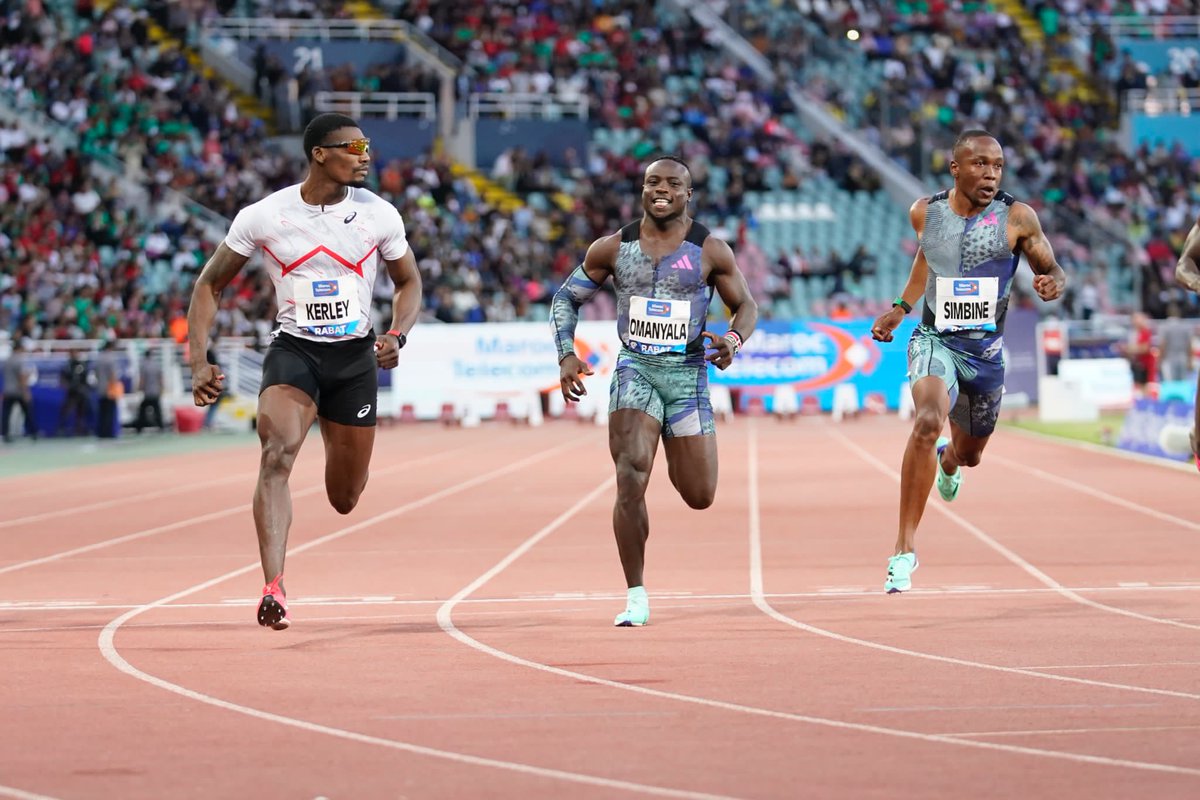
<point x="900" y="570"/>
<point x="272" y="609"/>
<point x="637" y="609"/>
<point x="947" y="485"/>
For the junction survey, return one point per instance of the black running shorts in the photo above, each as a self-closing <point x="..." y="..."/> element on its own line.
<point x="342" y="378"/>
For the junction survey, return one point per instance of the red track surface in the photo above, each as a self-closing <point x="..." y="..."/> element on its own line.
<point x="453" y="635"/>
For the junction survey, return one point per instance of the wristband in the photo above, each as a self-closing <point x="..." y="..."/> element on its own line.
<point x="401" y="339"/>
<point x="735" y="339"/>
<point x="899" y="301"/>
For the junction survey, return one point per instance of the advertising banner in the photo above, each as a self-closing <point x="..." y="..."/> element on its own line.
<point x="1144" y="424"/>
<point x="813" y="357"/>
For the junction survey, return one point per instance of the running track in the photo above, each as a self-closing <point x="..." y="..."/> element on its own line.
<point x="452" y="637"/>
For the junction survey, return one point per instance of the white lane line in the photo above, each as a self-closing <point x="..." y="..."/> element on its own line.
<point x="597" y="597"/>
<point x="183" y="488"/>
<point x="446" y="622"/>
<point x="1072" y="731"/>
<point x="1005" y="707"/>
<point x="756" y="590"/>
<point x="1012" y="556"/>
<point x="1117" y="666"/>
<point x="760" y="599"/>
<point x="20" y="794"/>
<point x="1102" y="450"/>
<point x="1091" y="491"/>
<point x="110" y="652"/>
<point x="215" y="515"/>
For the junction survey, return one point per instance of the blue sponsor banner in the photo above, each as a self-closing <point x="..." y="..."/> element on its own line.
<point x="815" y="356"/>
<point x="1167" y="130"/>
<point x="1145" y="421"/>
<point x="1160" y="55"/>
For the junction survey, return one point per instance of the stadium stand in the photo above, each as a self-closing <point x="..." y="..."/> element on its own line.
<point x="124" y="162"/>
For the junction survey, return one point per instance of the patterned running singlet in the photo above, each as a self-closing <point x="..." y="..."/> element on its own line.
<point x="960" y="338"/>
<point x="971" y="267"/>
<point x="661" y="314"/>
<point x="661" y="309"/>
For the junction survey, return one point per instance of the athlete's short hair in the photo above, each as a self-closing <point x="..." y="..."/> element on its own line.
<point x="967" y="136"/>
<point x="669" y="157"/>
<point x="321" y="126"/>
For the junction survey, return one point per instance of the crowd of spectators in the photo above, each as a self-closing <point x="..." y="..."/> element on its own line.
<point x="84" y="262"/>
<point x="942" y="65"/>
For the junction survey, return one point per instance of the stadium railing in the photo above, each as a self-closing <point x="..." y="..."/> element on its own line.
<point x="379" y="104"/>
<point x="535" y="106"/>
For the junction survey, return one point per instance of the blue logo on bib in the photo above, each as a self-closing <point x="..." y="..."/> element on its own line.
<point x="325" y="288"/>
<point x="965" y="288"/>
<point x="658" y="308"/>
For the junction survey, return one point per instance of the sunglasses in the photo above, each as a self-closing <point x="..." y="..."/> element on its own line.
<point x="355" y="146"/>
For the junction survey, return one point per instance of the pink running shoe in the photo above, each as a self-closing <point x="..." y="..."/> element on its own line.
<point x="272" y="609"/>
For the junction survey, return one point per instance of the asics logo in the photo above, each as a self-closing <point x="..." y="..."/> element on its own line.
<point x="350" y="217"/>
<point x="362" y="412"/>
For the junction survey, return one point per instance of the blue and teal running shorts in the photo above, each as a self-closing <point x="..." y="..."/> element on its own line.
<point x="674" y="392"/>
<point x="972" y="369"/>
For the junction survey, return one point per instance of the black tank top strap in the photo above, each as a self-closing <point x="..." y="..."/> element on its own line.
<point x="632" y="231"/>
<point x="697" y="234"/>
<point x="1006" y="198"/>
<point x="941" y="196"/>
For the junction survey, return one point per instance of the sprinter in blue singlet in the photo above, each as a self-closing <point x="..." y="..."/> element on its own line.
<point x="971" y="238"/>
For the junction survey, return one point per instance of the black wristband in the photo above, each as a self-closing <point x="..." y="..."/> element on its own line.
<point x="900" y="301"/>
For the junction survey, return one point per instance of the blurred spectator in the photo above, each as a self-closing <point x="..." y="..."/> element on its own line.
<point x="150" y="383"/>
<point x="1175" y="346"/>
<point x="76" y="381"/>
<point x="19" y="376"/>
<point x="111" y="389"/>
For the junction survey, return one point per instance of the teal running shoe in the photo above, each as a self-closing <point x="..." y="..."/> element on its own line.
<point x="900" y="570"/>
<point x="947" y="485"/>
<point x="637" y="609"/>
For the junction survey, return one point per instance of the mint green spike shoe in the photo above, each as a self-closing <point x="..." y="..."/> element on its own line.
<point x="900" y="570"/>
<point x="947" y="485"/>
<point x="637" y="609"/>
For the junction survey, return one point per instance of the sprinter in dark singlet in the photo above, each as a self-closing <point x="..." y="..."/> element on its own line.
<point x="972" y="238"/>
<point x="664" y="269"/>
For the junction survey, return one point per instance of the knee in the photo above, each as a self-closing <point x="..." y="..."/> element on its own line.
<point x="970" y="458"/>
<point x="632" y="478"/>
<point x="278" y="457"/>
<point x="700" y="497"/>
<point x="927" y="424"/>
<point x="343" y="502"/>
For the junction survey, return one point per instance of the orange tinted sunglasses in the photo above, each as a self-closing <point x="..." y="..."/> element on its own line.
<point x="355" y="146"/>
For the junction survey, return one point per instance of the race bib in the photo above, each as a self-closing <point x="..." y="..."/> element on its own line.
<point x="967" y="304"/>
<point x="658" y="326"/>
<point x="326" y="306"/>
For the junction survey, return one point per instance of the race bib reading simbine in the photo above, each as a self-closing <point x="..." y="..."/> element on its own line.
<point x="967" y="304"/>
